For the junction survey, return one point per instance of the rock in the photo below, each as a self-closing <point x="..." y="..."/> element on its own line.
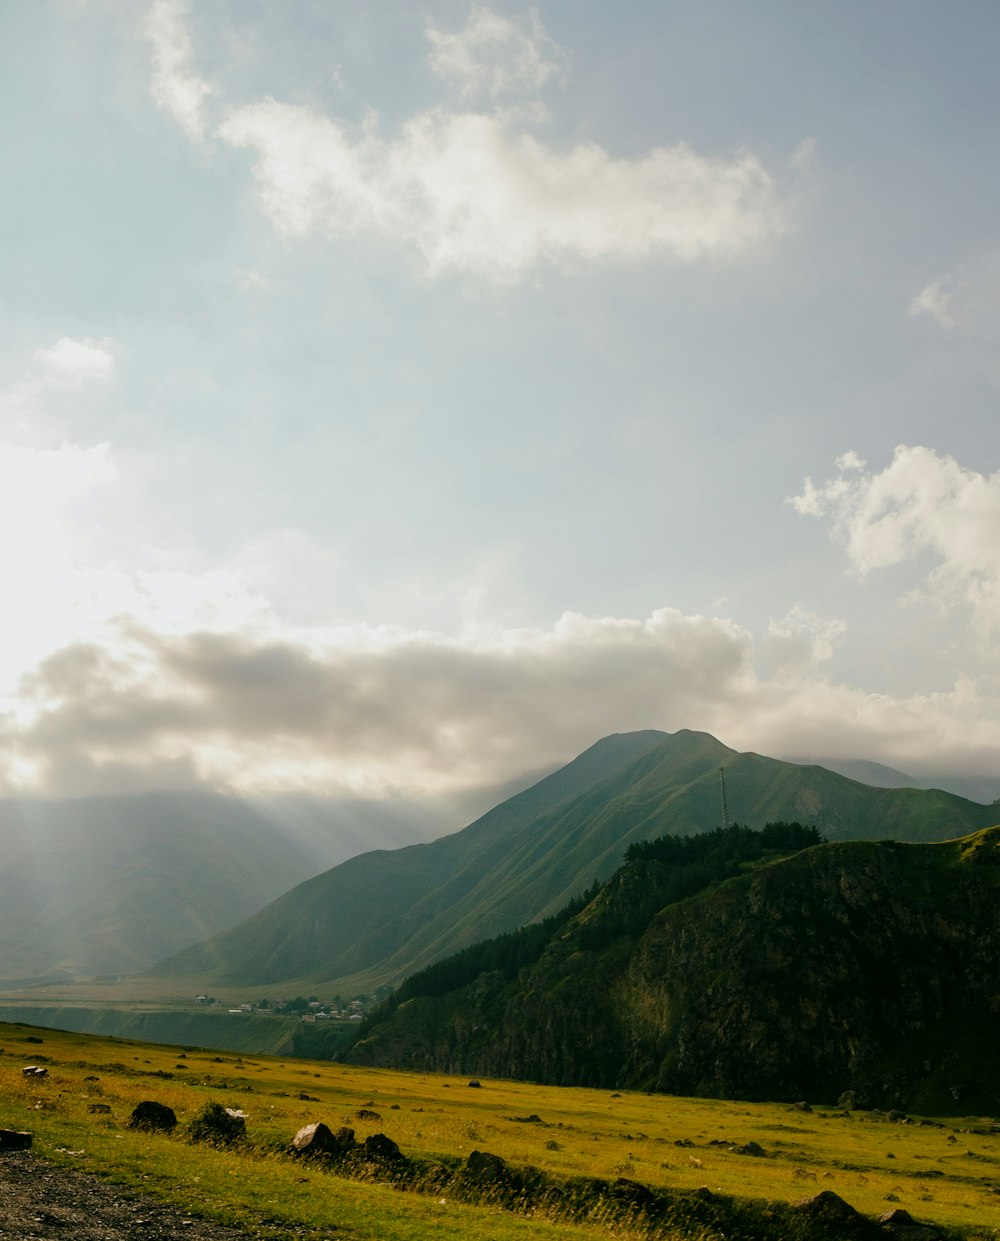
<point x="848" y="1101"/>
<point x="34" y="1070"/>
<point x="474" y="1085"/>
<point x="486" y="1167"/>
<point x="750" y="1148"/>
<point x="98" y="1108"/>
<point x="633" y="1193"/>
<point x="314" y="1139"/>
<point x="317" y="1139"/>
<point x="831" y="1210"/>
<point x="801" y="1106"/>
<point x="533" y="1119"/>
<point x="898" y="1117"/>
<point x="14" y="1140"/>
<point x="901" y="1224"/>
<point x="363" y="1113"/>
<point x="155" y="1117"/>
<point x="219" y="1125"/>
<point x="378" y="1146"/>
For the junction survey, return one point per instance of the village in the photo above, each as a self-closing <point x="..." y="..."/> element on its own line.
<point x="309" y="1009"/>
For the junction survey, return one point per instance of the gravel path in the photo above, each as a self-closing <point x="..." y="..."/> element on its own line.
<point x="40" y="1202"/>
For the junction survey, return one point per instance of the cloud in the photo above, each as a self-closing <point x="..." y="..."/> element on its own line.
<point x="476" y="192"/>
<point x="922" y="504"/>
<point x="801" y="640"/>
<point x="72" y="361"/>
<point x="965" y="303"/>
<point x="477" y="195"/>
<point x="934" y="300"/>
<point x="496" y="56"/>
<point x="174" y="85"/>
<point x="367" y="708"/>
<point x="374" y="709"/>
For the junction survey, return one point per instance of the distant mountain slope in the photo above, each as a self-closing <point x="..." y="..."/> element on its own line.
<point x="863" y="770"/>
<point x="363" y="911"/>
<point x="870" y="966"/>
<point x="105" y="885"/>
<point x="379" y="916"/>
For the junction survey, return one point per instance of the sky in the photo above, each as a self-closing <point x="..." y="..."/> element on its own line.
<point x="395" y="399"/>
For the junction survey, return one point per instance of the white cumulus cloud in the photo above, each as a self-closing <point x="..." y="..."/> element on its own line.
<point x="476" y="194"/>
<point x="922" y="504"/>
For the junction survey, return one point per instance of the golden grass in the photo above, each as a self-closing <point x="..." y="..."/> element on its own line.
<point x="948" y="1176"/>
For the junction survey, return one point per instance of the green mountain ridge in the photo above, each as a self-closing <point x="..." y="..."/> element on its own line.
<point x="869" y="966"/>
<point x="382" y="915"/>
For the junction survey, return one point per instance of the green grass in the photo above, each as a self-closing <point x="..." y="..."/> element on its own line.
<point x="943" y="1175"/>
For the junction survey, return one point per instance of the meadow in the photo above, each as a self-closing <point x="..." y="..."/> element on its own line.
<point x="944" y="1173"/>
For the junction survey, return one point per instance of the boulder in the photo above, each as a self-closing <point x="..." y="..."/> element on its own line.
<point x="901" y="1224"/>
<point x="848" y="1101"/>
<point x="34" y="1070"/>
<point x="318" y="1139"/>
<point x="378" y="1146"/>
<point x="14" y="1140"/>
<point x="155" y="1117"/>
<point x="830" y="1210"/>
<point x="750" y="1148"/>
<point x="486" y="1167"/>
<point x="218" y="1125"/>
<point x="633" y="1193"/>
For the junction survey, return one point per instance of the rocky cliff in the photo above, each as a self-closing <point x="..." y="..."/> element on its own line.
<point x="872" y="966"/>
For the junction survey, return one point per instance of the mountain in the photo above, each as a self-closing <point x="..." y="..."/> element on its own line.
<point x="871" y="966"/>
<point x="863" y="770"/>
<point x="105" y="885"/>
<point x="379" y="916"/>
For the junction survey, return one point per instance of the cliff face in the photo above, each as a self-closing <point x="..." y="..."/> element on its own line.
<point x="846" y="966"/>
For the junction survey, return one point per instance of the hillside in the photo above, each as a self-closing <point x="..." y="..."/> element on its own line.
<point x="379" y="916"/>
<point x="105" y="885"/>
<point x="865" y="966"/>
<point x="421" y="1156"/>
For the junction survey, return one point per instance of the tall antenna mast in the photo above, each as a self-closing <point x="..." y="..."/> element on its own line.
<point x="725" y="808"/>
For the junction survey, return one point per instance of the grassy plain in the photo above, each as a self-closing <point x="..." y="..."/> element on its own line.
<point x="948" y="1175"/>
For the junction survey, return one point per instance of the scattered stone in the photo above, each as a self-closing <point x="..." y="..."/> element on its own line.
<point x="307" y="1098"/>
<point x="832" y="1211"/>
<point x="34" y="1070"/>
<point x="98" y="1108"/>
<point x="486" y="1167"/>
<point x="474" y="1085"/>
<point x="364" y="1113"/>
<point x="378" y="1146"/>
<point x="14" y="1140"/>
<point x="848" y="1101"/>
<point x="750" y="1148"/>
<point x="902" y="1225"/>
<point x="533" y="1119"/>
<point x="317" y="1139"/>
<point x="218" y="1125"/>
<point x="898" y="1117"/>
<point x="801" y="1106"/>
<point x="153" y="1116"/>
<point x="633" y="1193"/>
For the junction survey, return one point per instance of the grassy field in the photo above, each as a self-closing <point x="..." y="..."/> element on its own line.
<point x="948" y="1175"/>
